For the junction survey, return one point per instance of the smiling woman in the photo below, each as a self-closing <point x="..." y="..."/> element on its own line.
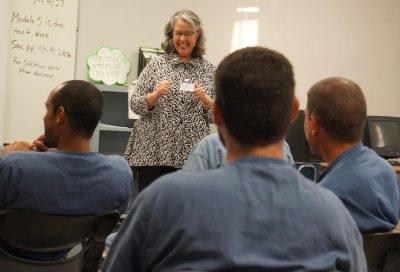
<point x="173" y="98"/>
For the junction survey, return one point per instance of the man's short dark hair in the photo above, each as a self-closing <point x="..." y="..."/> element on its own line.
<point x="255" y="92"/>
<point x="339" y="106"/>
<point x="83" y="104"/>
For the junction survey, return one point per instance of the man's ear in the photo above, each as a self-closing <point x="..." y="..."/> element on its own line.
<point x="295" y="109"/>
<point x="60" y="115"/>
<point x="315" y="126"/>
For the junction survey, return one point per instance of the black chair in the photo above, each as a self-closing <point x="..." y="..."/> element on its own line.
<point x="382" y="251"/>
<point x="37" y="232"/>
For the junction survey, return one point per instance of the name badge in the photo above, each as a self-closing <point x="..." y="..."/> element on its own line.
<point x="186" y="86"/>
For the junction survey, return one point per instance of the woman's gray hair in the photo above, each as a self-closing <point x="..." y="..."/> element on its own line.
<point x="191" y="18"/>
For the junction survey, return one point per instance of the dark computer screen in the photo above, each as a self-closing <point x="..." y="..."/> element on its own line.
<point x="113" y="142"/>
<point x="383" y="135"/>
<point x="115" y="109"/>
<point x="146" y="54"/>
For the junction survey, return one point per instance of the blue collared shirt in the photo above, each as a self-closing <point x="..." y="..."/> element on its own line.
<point x="255" y="214"/>
<point x="64" y="183"/>
<point x="210" y="153"/>
<point x="367" y="186"/>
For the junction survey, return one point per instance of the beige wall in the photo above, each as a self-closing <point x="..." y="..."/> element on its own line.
<point x="358" y="39"/>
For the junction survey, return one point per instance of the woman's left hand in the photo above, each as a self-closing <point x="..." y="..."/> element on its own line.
<point x="202" y="96"/>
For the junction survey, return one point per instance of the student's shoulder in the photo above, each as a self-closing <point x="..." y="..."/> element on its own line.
<point x="22" y="156"/>
<point x="115" y="160"/>
<point x="330" y="208"/>
<point x="182" y="181"/>
<point x="371" y="161"/>
<point x="211" y="141"/>
<point x="213" y="138"/>
<point x="26" y="161"/>
<point x="321" y="196"/>
<point x="111" y="157"/>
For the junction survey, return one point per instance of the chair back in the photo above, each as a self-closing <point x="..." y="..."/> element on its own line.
<point x="38" y="232"/>
<point x="309" y="170"/>
<point x="382" y="251"/>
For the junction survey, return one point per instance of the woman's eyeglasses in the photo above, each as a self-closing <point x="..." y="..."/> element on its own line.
<point x="187" y="34"/>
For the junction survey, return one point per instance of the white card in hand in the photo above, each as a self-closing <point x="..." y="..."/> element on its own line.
<point x="187" y="87"/>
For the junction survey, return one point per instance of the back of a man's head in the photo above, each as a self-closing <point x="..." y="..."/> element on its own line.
<point x="255" y="93"/>
<point x="83" y="104"/>
<point x="339" y="106"/>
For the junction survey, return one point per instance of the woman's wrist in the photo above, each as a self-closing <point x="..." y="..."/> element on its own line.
<point x="157" y="94"/>
<point x="208" y="105"/>
<point x="152" y="98"/>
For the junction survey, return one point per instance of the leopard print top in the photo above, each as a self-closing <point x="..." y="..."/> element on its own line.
<point x="166" y="134"/>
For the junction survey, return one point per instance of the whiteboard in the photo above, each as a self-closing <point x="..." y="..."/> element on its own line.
<point x="41" y="50"/>
<point x="4" y="22"/>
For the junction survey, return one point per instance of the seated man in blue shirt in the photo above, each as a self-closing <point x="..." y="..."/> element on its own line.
<point x="257" y="213"/>
<point x="68" y="180"/>
<point x="210" y="153"/>
<point x="366" y="184"/>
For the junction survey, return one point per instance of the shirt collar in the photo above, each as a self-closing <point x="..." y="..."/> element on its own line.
<point x="258" y="160"/>
<point x="348" y="153"/>
<point x="175" y="60"/>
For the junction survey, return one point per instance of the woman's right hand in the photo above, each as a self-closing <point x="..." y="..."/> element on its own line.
<point x="163" y="88"/>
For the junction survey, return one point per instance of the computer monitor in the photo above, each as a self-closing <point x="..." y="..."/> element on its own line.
<point x="113" y="142"/>
<point x="115" y="109"/>
<point x="382" y="134"/>
<point x="146" y="54"/>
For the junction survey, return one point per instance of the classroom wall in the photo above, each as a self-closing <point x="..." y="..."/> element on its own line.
<point x="358" y="39"/>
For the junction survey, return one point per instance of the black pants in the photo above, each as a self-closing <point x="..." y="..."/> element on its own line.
<point x="145" y="175"/>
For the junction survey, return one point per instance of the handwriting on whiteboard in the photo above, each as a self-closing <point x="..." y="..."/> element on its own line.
<point x="36" y="50"/>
